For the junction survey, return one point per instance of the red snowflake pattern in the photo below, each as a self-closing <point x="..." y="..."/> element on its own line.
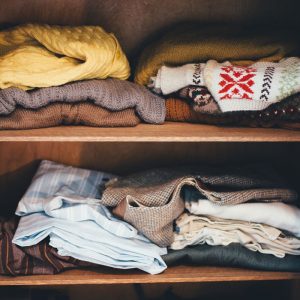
<point x="237" y="82"/>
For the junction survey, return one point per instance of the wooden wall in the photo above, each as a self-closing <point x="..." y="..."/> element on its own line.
<point x="19" y="160"/>
<point x="134" y="21"/>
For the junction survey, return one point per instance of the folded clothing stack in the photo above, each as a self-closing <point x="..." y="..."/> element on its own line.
<point x="152" y="200"/>
<point x="236" y="212"/>
<point x="63" y="205"/>
<point x="53" y="75"/>
<point x="255" y="73"/>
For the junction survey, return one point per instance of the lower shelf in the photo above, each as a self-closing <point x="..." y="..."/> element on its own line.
<point x="171" y="275"/>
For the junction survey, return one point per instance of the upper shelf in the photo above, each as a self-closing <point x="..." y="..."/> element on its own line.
<point x="171" y="275"/>
<point x="168" y="132"/>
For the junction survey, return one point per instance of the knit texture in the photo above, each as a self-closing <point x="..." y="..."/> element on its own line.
<point x="152" y="200"/>
<point x="200" y="98"/>
<point x="68" y="114"/>
<point x="284" y="114"/>
<point x="237" y="88"/>
<point x="42" y="55"/>
<point x="112" y="94"/>
<point x="169" y="80"/>
<point x="178" y="110"/>
<point x="196" y="43"/>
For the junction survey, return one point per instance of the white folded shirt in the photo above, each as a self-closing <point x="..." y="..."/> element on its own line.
<point x="280" y="215"/>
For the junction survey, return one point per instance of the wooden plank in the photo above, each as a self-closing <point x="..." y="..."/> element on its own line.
<point x="169" y="132"/>
<point x="171" y="275"/>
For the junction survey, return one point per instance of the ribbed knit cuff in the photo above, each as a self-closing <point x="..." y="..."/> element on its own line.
<point x="242" y="105"/>
<point x="174" y="79"/>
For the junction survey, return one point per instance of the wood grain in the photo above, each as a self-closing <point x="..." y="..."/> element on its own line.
<point x="171" y="275"/>
<point x="168" y="132"/>
<point x="19" y="160"/>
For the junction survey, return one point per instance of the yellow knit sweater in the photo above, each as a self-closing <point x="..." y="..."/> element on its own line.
<point x="194" y="43"/>
<point x="41" y="56"/>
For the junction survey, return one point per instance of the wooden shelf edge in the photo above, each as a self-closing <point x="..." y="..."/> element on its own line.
<point x="168" y="132"/>
<point x="172" y="275"/>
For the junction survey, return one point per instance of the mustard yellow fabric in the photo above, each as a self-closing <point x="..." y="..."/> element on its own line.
<point x="34" y="56"/>
<point x="194" y="43"/>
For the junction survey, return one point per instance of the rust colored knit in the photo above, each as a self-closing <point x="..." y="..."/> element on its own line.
<point x="180" y="111"/>
<point x="69" y="114"/>
<point x="285" y="114"/>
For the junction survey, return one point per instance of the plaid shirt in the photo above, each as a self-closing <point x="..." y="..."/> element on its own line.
<point x="57" y="180"/>
<point x="78" y="227"/>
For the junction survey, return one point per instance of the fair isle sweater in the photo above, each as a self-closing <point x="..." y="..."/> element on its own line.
<point x="235" y="88"/>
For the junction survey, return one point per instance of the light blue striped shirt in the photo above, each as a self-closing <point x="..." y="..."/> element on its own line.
<point x="82" y="228"/>
<point x="53" y="179"/>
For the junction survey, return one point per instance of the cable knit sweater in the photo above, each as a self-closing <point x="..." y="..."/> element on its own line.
<point x="112" y="94"/>
<point x="42" y="55"/>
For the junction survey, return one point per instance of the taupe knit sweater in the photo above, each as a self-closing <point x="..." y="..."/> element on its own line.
<point x="112" y="94"/>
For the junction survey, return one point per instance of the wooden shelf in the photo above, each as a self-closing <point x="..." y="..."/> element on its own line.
<point x="171" y="275"/>
<point x="169" y="132"/>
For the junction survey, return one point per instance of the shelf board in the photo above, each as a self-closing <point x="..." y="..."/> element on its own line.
<point x="168" y="132"/>
<point x="171" y="275"/>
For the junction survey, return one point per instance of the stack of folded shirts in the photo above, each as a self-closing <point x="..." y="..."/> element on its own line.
<point x="54" y="75"/>
<point x="271" y="228"/>
<point x="62" y="205"/>
<point x="152" y="200"/>
<point x="234" y="216"/>
<point x="225" y="75"/>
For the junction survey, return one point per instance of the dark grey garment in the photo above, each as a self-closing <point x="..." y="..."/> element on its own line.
<point x="233" y="255"/>
<point x="112" y="94"/>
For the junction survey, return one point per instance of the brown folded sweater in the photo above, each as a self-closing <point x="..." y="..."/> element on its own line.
<point x="112" y="94"/>
<point x="40" y="259"/>
<point x="152" y="200"/>
<point x="284" y="114"/>
<point x="69" y="114"/>
<point x="197" y="43"/>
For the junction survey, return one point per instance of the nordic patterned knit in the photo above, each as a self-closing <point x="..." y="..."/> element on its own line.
<point x="190" y="43"/>
<point x="112" y="94"/>
<point x="200" y="98"/>
<point x="237" y="88"/>
<point x="41" y="56"/>
<point x="152" y="200"/>
<point x="58" y="114"/>
<point x="194" y="230"/>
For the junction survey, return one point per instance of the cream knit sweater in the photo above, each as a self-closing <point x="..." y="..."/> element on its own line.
<point x="235" y="88"/>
